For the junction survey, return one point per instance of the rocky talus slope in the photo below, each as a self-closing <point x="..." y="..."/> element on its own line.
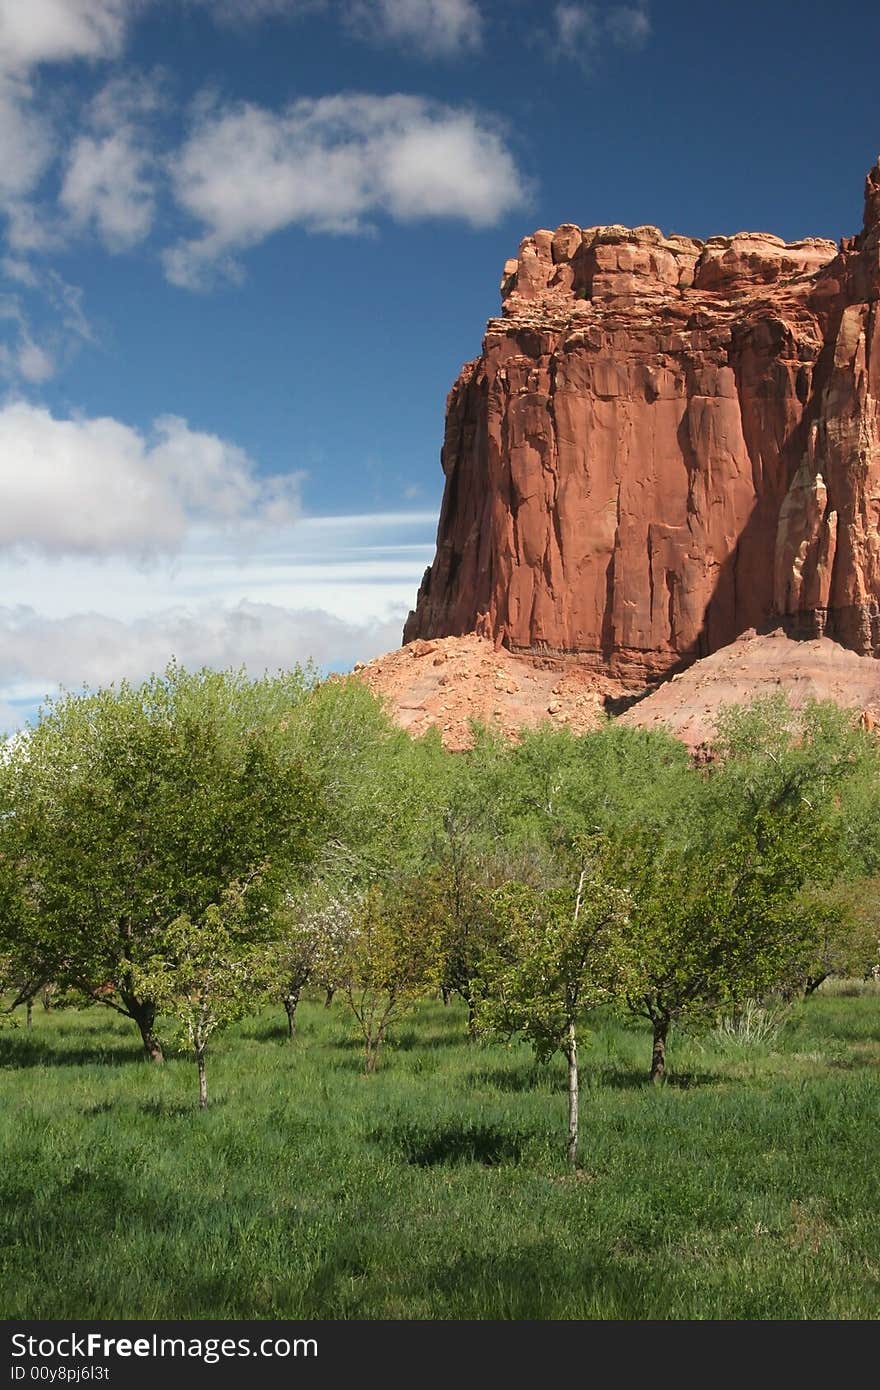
<point x="447" y="682"/>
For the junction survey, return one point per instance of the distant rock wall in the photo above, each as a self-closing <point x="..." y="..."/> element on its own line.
<point x="665" y="442"/>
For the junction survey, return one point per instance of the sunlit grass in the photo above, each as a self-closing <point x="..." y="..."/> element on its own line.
<point x="745" y="1188"/>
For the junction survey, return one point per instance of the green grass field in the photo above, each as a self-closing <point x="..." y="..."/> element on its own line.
<point x="748" y="1187"/>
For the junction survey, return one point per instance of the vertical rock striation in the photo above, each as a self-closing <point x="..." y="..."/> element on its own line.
<point x="663" y="443"/>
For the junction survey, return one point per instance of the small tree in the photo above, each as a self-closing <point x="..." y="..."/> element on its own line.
<point x="561" y="956"/>
<point x="845" y="928"/>
<point x="211" y="974"/>
<point x="129" y="809"/>
<point x="711" y="929"/>
<point x="312" y="932"/>
<point x="389" y="960"/>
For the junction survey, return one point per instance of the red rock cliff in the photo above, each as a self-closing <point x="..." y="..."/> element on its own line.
<point x="666" y="442"/>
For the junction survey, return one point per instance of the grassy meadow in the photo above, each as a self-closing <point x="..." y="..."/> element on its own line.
<point x="746" y="1187"/>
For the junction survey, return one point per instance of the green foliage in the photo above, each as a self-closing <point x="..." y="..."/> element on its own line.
<point x="133" y="807"/>
<point x="710" y="929"/>
<point x="556" y="786"/>
<point x="210" y="973"/>
<point x="844" y="929"/>
<point x="561" y="954"/>
<point x="390" y="959"/>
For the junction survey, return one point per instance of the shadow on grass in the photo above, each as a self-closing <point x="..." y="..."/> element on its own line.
<point x="536" y="1281"/>
<point x="526" y="1283"/>
<point x="26" y="1052"/>
<point x="638" y="1079"/>
<point x="520" y="1080"/>
<point x="409" y="1039"/>
<point x="613" y="1078"/>
<point x="450" y="1145"/>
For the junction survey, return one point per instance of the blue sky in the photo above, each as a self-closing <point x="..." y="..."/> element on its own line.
<point x="247" y="244"/>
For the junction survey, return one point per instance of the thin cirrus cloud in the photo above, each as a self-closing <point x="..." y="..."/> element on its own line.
<point x="99" y="487"/>
<point x="333" y="164"/>
<point x="582" y="30"/>
<point x="429" y="28"/>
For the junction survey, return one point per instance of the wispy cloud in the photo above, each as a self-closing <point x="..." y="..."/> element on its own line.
<point x="428" y="28"/>
<point x="241" y="12"/>
<point x="581" y="30"/>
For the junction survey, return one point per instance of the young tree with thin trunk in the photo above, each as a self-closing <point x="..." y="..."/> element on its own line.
<point x="390" y="959"/>
<point x="311" y="931"/>
<point x="210" y="974"/>
<point x="561" y="956"/>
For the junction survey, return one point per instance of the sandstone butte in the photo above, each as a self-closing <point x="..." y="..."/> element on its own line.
<point x="666" y="442"/>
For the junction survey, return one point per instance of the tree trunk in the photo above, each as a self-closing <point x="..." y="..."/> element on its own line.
<point x="472" y="1019"/>
<point x="144" y="1014"/>
<point x="328" y="997"/>
<point x="573" y="1096"/>
<point x="291" y="999"/>
<point x="658" y="1051"/>
<point x="203" y="1080"/>
<point x="29" y="1013"/>
<point x="371" y="1057"/>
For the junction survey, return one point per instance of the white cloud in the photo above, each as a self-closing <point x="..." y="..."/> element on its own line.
<point x="355" y="567"/>
<point x="34" y="363"/>
<point x="25" y="139"/>
<point x="433" y="28"/>
<point x="32" y="33"/>
<point x="107" y="184"/>
<point x="577" y="27"/>
<point x="37" y="654"/>
<point x="49" y="31"/>
<point x="109" y="180"/>
<point x="331" y="165"/>
<point x="333" y="588"/>
<point x="96" y="486"/>
<point x="582" y="29"/>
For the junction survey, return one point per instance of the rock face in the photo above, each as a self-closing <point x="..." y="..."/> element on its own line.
<point x="666" y="442"/>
